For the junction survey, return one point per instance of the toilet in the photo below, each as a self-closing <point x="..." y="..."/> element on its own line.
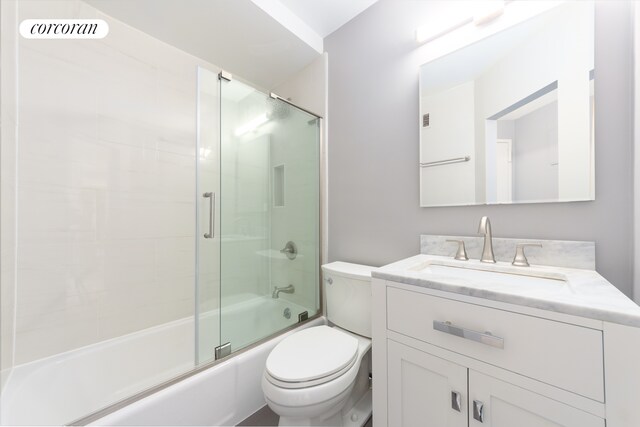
<point x="320" y="376"/>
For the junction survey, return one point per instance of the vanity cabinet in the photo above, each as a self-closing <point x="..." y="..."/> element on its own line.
<point x="446" y="360"/>
<point x="507" y="405"/>
<point x="425" y="390"/>
<point x="520" y="343"/>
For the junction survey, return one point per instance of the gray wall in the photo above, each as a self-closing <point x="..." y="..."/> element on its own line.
<point x="535" y="153"/>
<point x="374" y="216"/>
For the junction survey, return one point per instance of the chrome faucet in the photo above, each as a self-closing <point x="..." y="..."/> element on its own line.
<point x="286" y="289"/>
<point x="487" y="251"/>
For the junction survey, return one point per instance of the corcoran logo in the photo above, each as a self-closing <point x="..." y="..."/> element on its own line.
<point x="64" y="28"/>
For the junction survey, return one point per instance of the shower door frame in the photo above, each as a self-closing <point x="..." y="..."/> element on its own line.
<point x="94" y="416"/>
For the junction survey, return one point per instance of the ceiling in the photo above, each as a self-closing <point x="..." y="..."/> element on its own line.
<point x="262" y="41"/>
<point x="326" y="16"/>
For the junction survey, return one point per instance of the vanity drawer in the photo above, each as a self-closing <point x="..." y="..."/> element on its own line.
<point x="566" y="356"/>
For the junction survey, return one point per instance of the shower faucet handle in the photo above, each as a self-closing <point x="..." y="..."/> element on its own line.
<point x="290" y="250"/>
<point x="461" y="253"/>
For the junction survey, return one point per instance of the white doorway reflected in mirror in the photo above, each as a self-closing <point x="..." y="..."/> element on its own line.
<point x="504" y="171"/>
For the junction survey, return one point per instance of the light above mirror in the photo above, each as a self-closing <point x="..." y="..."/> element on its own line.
<point x="510" y="118"/>
<point x="482" y="12"/>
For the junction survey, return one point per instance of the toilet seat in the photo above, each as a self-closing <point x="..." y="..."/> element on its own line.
<point x="311" y="357"/>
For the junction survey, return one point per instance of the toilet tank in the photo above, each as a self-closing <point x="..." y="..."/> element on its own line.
<point x="347" y="288"/>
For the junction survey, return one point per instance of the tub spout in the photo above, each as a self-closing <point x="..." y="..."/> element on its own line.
<point x="286" y="289"/>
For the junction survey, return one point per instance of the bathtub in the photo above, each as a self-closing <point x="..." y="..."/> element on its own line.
<point x="67" y="386"/>
<point x="265" y="316"/>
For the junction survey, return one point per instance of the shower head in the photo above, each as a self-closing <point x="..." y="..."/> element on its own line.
<point x="277" y="109"/>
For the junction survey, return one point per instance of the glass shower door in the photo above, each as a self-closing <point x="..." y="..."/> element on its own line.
<point x="269" y="214"/>
<point x="207" y="310"/>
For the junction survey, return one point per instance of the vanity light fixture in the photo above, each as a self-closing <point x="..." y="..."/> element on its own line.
<point x="252" y="125"/>
<point x="483" y="12"/>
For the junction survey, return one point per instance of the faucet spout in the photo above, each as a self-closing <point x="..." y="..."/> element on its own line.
<point x="487" y="251"/>
<point x="286" y="289"/>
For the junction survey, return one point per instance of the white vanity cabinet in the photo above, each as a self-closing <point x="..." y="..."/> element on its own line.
<point x="508" y="405"/>
<point x="425" y="389"/>
<point x="441" y="359"/>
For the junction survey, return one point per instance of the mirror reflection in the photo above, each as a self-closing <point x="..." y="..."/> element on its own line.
<point x="517" y="125"/>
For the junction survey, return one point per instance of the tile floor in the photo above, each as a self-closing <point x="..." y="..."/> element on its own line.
<point x="266" y="417"/>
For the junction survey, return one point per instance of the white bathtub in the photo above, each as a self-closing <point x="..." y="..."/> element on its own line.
<point x="61" y="388"/>
<point x="253" y="318"/>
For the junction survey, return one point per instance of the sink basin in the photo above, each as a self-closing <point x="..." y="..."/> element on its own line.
<point x="494" y="277"/>
<point x="490" y="274"/>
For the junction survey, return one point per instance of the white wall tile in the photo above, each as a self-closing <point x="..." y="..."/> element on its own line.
<point x="106" y="185"/>
<point x="8" y="147"/>
<point x="294" y="145"/>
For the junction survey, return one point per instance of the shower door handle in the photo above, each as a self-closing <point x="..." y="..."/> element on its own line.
<point x="212" y="209"/>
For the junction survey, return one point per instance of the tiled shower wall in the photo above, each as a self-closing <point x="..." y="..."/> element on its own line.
<point x="294" y="147"/>
<point x="8" y="122"/>
<point x="105" y="182"/>
<point x="245" y="216"/>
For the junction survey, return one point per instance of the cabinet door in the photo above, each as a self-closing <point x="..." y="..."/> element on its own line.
<point x="507" y="405"/>
<point x="424" y="390"/>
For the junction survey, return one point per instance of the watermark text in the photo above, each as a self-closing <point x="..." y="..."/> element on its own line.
<point x="64" y="28"/>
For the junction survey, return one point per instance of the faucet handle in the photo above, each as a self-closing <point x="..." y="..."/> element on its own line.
<point x="461" y="253"/>
<point x="290" y="250"/>
<point x="520" y="259"/>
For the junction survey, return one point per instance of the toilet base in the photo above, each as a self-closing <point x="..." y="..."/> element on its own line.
<point x="360" y="413"/>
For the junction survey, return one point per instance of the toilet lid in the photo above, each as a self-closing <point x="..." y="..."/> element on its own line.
<point x="311" y="354"/>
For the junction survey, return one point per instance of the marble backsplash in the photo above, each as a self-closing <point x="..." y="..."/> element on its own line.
<point x="558" y="253"/>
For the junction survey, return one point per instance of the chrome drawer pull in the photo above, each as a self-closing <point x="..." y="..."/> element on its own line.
<point x="456" y="401"/>
<point x="478" y="411"/>
<point x="481" y="337"/>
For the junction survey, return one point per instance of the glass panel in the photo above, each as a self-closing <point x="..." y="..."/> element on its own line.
<point x="270" y="196"/>
<point x="100" y="166"/>
<point x="208" y="241"/>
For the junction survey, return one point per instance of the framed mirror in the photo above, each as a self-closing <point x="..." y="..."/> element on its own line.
<point x="510" y="118"/>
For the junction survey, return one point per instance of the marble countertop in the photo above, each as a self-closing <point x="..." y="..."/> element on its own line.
<point x="578" y="292"/>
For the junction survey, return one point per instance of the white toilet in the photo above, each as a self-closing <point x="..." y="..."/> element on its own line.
<point x="320" y="376"/>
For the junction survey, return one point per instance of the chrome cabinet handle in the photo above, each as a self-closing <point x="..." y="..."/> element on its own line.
<point x="456" y="401"/>
<point x="212" y="208"/>
<point x="478" y="411"/>
<point x="481" y="337"/>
